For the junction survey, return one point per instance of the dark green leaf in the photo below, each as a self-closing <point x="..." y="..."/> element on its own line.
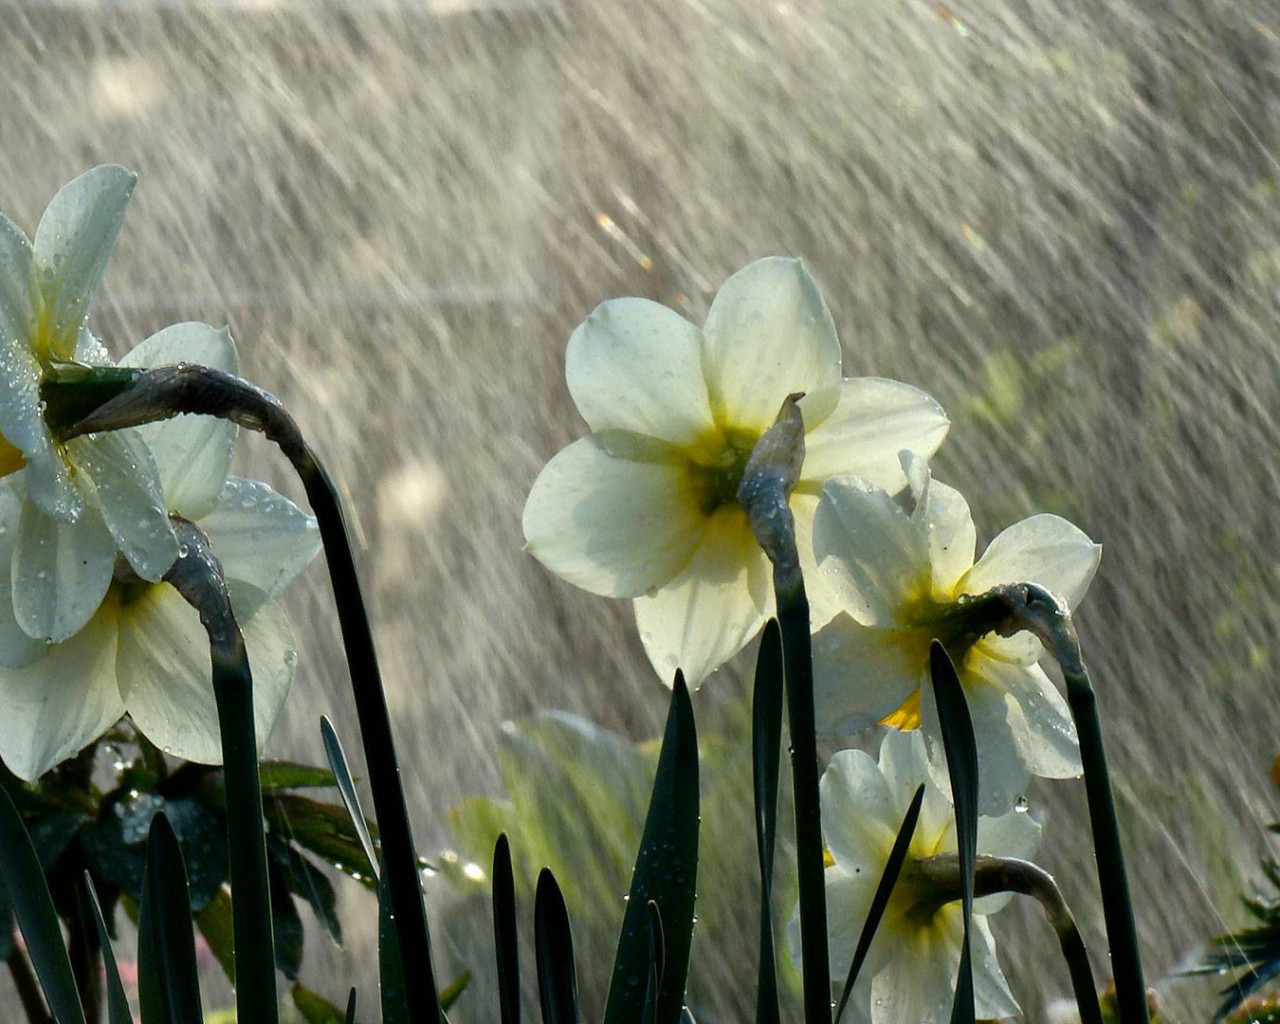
<point x="347" y="788"/>
<point x="324" y="829"/>
<point x="657" y="956"/>
<point x="962" y="768"/>
<point x="505" y="938"/>
<point x="278" y="775"/>
<point x="351" y="1007"/>
<point x="553" y="948"/>
<point x="766" y="755"/>
<point x="118" y="1011"/>
<point x="7" y="943"/>
<point x="172" y="946"/>
<point x="287" y="925"/>
<point x="309" y="883"/>
<point x="315" y="1009"/>
<point x="666" y="872"/>
<point x="892" y="868"/>
<point x="22" y="877"/>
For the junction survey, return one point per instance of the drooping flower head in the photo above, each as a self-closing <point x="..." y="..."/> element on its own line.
<point x="143" y="649"/>
<point x="910" y="970"/>
<point x="646" y="506"/>
<point x="87" y="499"/>
<point x="903" y="578"/>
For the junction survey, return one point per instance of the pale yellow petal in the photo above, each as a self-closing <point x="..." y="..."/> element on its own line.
<point x="1043" y="549"/>
<point x="615" y="514"/>
<point x="709" y="612"/>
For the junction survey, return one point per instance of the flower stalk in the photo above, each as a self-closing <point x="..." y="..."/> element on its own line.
<point x="1033" y="608"/>
<point x="197" y="576"/>
<point x="770" y="475"/>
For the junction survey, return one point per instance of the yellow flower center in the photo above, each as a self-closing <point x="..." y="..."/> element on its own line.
<point x="716" y="466"/>
<point x="11" y="459"/>
<point x="907" y="715"/>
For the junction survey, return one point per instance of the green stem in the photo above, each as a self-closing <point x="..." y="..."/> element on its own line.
<point x="1007" y="874"/>
<point x="170" y="390"/>
<point x="1035" y="609"/>
<point x="85" y="955"/>
<point x="198" y="577"/>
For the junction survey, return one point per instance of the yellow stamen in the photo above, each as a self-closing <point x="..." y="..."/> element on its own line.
<point x="907" y="716"/>
<point x="11" y="459"/>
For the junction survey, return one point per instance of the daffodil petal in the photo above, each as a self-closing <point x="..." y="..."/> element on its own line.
<point x="1039" y="719"/>
<point x="61" y="572"/>
<point x="820" y="588"/>
<point x="849" y="896"/>
<point x="192" y="453"/>
<point x="769" y="334"/>
<point x="952" y="538"/>
<point x="72" y="246"/>
<point x="862" y="673"/>
<point x="709" y="612"/>
<point x="16" y="310"/>
<point x="873" y="421"/>
<point x="860" y="812"/>
<point x="260" y="537"/>
<point x="615" y="514"/>
<point x="904" y="763"/>
<point x="992" y="998"/>
<point x="1003" y="776"/>
<point x="165" y="671"/>
<point x="127" y="487"/>
<point x="875" y="555"/>
<point x="918" y="983"/>
<point x="1020" y="649"/>
<point x="16" y="648"/>
<point x="90" y="351"/>
<point x="1043" y="549"/>
<point x="636" y="365"/>
<point x="61" y="702"/>
<point x="1013" y="834"/>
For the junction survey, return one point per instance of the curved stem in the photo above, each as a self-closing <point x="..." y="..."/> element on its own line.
<point x="1034" y="608"/>
<point x="1007" y="874"/>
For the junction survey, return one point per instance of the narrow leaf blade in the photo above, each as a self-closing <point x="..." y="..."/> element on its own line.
<point x="347" y="787"/>
<point x="553" y="946"/>
<point x="118" y="1011"/>
<point x="505" y="937"/>
<point x="766" y="756"/>
<point x="172" y="938"/>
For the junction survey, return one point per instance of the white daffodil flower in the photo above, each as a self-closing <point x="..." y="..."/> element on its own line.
<point x="902" y="578"/>
<point x="646" y="506"/>
<point x="87" y="499"/>
<point x="910" y="970"/>
<point x="143" y="649"/>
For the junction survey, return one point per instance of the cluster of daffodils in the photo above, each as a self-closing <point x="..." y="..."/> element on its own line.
<point x="88" y="629"/>
<point x="646" y="507"/>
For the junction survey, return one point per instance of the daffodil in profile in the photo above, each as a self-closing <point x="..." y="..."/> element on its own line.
<point x="85" y="500"/>
<point x="905" y="575"/>
<point x="143" y="649"/>
<point x="645" y="507"/>
<point x="910" y="970"/>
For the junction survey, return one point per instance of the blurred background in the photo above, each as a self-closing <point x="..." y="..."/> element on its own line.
<point x="1061" y="219"/>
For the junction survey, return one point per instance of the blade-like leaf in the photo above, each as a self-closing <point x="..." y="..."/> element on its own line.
<point x="23" y="879"/>
<point x="347" y="788"/>
<point x="892" y="868"/>
<point x="505" y="938"/>
<point x="962" y="768"/>
<point x="313" y="1007"/>
<point x="173" y="947"/>
<point x="666" y="872"/>
<point x="395" y="1010"/>
<point x="452" y="992"/>
<point x="278" y="775"/>
<point x="657" y="956"/>
<point x="766" y="754"/>
<point x="118" y="1011"/>
<point x="351" y="1007"/>
<point x="553" y="948"/>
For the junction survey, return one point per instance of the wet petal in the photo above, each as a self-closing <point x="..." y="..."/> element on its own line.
<point x="1043" y="549"/>
<point x="127" y="488"/>
<point x="636" y="365"/>
<point x="874" y="420"/>
<point x="849" y="896"/>
<point x="862" y="673"/>
<point x="72" y="246"/>
<point x="61" y="572"/>
<point x="992" y="998"/>
<point x="769" y="334"/>
<point x="16" y="648"/>
<point x="860" y="813"/>
<point x="165" y="670"/>
<point x="614" y="514"/>
<point x="918" y="981"/>
<point x="261" y="537"/>
<point x="952" y="538"/>
<point x="1039" y="719"/>
<point x="874" y="554"/>
<point x="62" y="702"/>
<point x="709" y="612"/>
<point x="192" y="453"/>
